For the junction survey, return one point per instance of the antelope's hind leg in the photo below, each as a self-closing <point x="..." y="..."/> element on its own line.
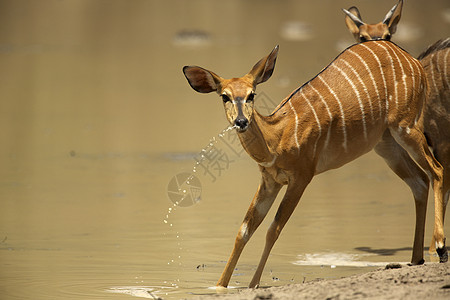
<point x="412" y="140"/>
<point x="444" y="159"/>
<point x="402" y="164"/>
<point x="432" y="250"/>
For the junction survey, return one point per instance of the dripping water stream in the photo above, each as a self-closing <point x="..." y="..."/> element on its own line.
<point x="177" y="258"/>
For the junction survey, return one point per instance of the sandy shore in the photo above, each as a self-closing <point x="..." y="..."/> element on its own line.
<point x="429" y="281"/>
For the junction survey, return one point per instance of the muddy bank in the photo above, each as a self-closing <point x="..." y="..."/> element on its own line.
<point x="429" y="281"/>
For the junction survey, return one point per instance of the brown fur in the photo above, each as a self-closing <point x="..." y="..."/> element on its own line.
<point x="333" y="119"/>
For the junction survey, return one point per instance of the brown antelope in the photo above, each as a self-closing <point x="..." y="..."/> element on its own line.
<point x="370" y="96"/>
<point x="380" y="31"/>
<point x="436" y="62"/>
<point x="436" y="121"/>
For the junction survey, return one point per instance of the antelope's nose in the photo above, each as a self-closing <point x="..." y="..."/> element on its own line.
<point x="241" y="123"/>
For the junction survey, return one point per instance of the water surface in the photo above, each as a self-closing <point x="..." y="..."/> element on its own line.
<point x="96" y="119"/>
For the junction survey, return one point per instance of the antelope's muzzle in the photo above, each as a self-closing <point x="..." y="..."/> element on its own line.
<point x="241" y="123"/>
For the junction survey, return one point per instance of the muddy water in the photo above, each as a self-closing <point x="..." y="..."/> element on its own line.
<point x="96" y="119"/>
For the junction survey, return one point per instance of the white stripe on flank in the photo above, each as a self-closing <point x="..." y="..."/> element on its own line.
<point x="420" y="70"/>
<point x="373" y="81"/>
<point x="344" y="129"/>
<point x="445" y="68"/>
<point x="296" y="126"/>
<point x="393" y="73"/>
<point x="419" y="86"/>
<point x="364" y="87"/>
<point x="432" y="75"/>
<point x="401" y="67"/>
<point x="361" y="106"/>
<point x="317" y="121"/>
<point x="328" y="111"/>
<point x="413" y="74"/>
<point x="382" y="76"/>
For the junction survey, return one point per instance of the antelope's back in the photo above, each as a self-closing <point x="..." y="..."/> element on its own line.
<point x="386" y="81"/>
<point x="436" y="62"/>
<point x="368" y="88"/>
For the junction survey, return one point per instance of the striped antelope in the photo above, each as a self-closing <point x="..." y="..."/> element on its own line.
<point x="436" y="62"/>
<point x="370" y="95"/>
<point x="436" y="120"/>
<point x="367" y="32"/>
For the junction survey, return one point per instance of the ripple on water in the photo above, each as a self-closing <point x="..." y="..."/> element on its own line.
<point x="152" y="292"/>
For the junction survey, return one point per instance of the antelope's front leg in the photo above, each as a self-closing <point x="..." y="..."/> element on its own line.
<point x="287" y="206"/>
<point x="263" y="200"/>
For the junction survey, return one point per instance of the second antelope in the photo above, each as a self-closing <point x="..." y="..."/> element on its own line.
<point x="436" y="120"/>
<point x="370" y="96"/>
<point x="367" y="32"/>
<point x="436" y="62"/>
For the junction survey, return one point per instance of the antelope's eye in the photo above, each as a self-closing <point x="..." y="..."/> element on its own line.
<point x="362" y="39"/>
<point x="251" y="97"/>
<point x="388" y="37"/>
<point x="225" y="98"/>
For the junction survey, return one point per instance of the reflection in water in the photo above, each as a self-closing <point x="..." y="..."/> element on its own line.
<point x="192" y="38"/>
<point x="96" y="118"/>
<point x="296" y="31"/>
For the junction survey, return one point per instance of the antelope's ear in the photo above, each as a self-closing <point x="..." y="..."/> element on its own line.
<point x="263" y="69"/>
<point x="353" y="20"/>
<point x="393" y="17"/>
<point x="202" y="80"/>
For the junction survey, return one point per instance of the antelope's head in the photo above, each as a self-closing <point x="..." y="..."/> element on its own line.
<point x="367" y="32"/>
<point x="237" y="94"/>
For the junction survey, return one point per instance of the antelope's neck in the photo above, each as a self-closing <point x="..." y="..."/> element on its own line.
<point x="257" y="141"/>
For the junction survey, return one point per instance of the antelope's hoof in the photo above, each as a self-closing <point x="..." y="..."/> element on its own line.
<point x="421" y="262"/>
<point x="443" y="254"/>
